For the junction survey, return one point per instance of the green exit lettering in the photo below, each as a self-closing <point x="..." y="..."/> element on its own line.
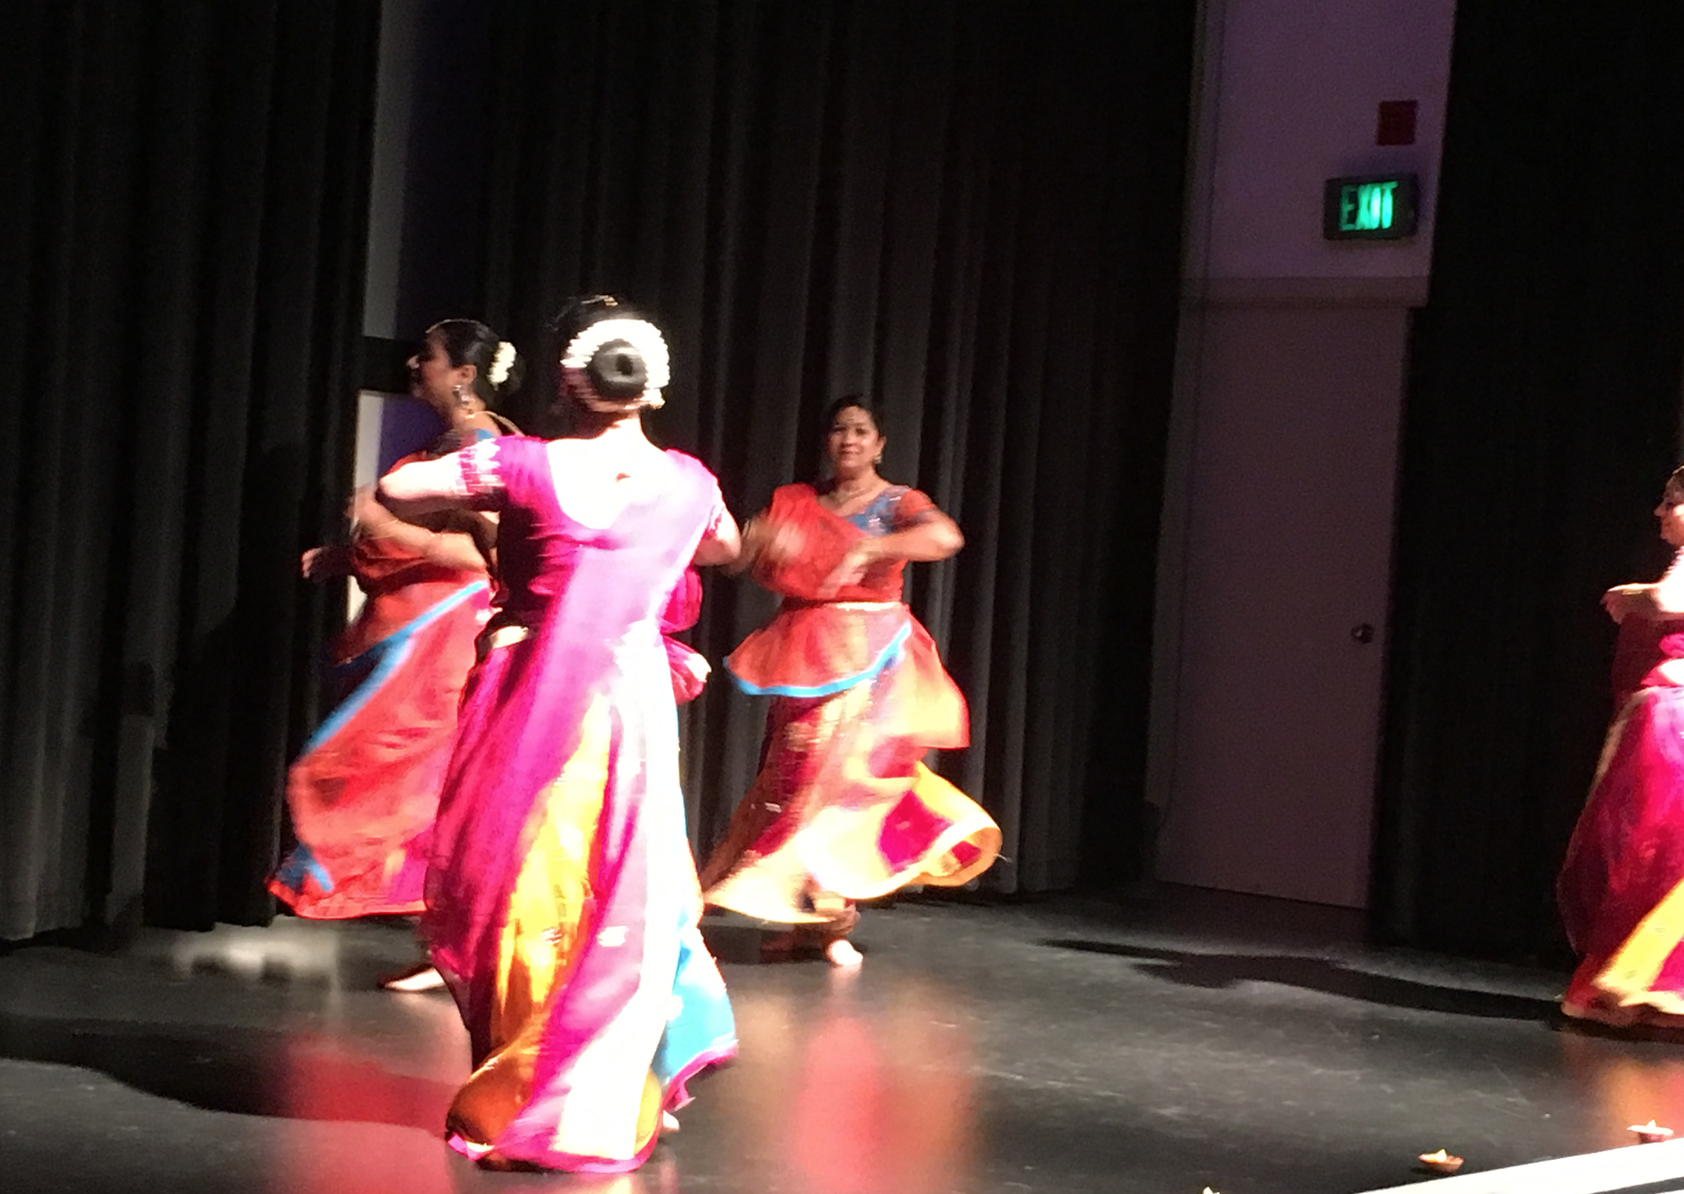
<point x="1373" y="207"/>
<point x="1366" y="207"/>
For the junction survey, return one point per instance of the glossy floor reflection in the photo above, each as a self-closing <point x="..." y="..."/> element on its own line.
<point x="1060" y="1048"/>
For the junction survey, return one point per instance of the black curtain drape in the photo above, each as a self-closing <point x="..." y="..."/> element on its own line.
<point x="969" y="209"/>
<point x="181" y="238"/>
<point x="1542" y="418"/>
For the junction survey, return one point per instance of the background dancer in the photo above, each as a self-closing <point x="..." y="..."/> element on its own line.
<point x="843" y="809"/>
<point x="563" y="907"/>
<point x="363" y="793"/>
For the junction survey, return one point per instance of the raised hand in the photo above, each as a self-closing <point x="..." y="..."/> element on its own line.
<point x="324" y="563"/>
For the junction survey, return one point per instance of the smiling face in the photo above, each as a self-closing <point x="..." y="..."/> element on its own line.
<point x="1671" y="514"/>
<point x="853" y="442"/>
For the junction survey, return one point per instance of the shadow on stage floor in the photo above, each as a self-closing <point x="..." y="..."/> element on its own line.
<point x="1059" y="1048"/>
<point x="1223" y="971"/>
<point x="253" y="1071"/>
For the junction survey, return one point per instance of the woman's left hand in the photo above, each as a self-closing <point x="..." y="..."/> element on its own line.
<point x="366" y="513"/>
<point x="852" y="568"/>
<point x="1624" y="601"/>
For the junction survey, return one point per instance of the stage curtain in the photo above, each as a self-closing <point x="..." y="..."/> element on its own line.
<point x="181" y="240"/>
<point x="971" y="210"/>
<point x="1542" y="419"/>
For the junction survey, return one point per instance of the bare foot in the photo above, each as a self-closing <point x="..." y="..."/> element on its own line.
<point x="1600" y="1011"/>
<point x="471" y="1149"/>
<point x="841" y="952"/>
<point x="419" y="977"/>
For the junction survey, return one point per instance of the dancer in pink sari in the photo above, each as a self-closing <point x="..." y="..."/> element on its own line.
<point x="563" y="906"/>
<point x="1621" y="888"/>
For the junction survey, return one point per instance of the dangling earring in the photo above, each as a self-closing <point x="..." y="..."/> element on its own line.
<point x="462" y="400"/>
<point x="877" y="459"/>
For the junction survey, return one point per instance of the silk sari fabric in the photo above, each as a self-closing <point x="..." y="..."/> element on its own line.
<point x="563" y="907"/>
<point x="843" y="808"/>
<point x="363" y="792"/>
<point x="1621" y="886"/>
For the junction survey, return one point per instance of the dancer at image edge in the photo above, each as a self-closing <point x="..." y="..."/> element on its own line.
<point x="843" y="808"/>
<point x="1621" y="887"/>
<point x="563" y="908"/>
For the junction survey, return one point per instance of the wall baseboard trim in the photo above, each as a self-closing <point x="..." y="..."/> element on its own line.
<point x="1407" y="291"/>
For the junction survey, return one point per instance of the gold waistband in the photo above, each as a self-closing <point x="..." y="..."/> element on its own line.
<point x="511" y="633"/>
<point x="853" y="607"/>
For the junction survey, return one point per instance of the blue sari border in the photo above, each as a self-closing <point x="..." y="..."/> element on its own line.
<point x="889" y="655"/>
<point x="388" y="654"/>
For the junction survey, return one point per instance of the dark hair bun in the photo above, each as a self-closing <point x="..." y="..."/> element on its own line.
<point x="611" y="352"/>
<point x="618" y="372"/>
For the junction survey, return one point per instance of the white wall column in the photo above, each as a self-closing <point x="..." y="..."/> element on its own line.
<point x="1277" y="531"/>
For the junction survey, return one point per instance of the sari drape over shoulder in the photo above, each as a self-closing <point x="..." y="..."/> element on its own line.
<point x="563" y="909"/>
<point x="843" y="808"/>
<point x="363" y="791"/>
<point x="1621" y="886"/>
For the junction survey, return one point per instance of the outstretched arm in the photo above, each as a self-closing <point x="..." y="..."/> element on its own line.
<point x="753" y="541"/>
<point x="934" y="536"/>
<point x="423" y="486"/>
<point x="723" y="544"/>
<point x="448" y="549"/>
<point x="775" y="542"/>
<point x="1662" y="599"/>
<point x="328" y="562"/>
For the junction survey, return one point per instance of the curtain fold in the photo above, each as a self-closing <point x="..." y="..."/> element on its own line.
<point x="1541" y="421"/>
<point x="970" y="210"/>
<point x="182" y="237"/>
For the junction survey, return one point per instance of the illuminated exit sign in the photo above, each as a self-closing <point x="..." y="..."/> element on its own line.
<point x="1378" y="207"/>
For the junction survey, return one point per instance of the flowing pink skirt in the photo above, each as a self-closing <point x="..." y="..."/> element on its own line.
<point x="1621" y="887"/>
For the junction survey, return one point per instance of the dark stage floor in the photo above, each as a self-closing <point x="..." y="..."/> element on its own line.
<point x="1207" y="1041"/>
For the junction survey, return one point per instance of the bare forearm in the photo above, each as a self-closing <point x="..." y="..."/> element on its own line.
<point x="752" y="541"/>
<point x="447" y="549"/>
<point x="935" y="538"/>
<point x="422" y="487"/>
<point x="1656" y="601"/>
<point x="411" y="508"/>
<point x="723" y="547"/>
<point x="1659" y="601"/>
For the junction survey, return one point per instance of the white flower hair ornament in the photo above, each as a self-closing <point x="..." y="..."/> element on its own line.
<point x="501" y="362"/>
<point x="625" y="360"/>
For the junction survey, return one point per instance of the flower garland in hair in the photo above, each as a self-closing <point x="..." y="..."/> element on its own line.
<point x="642" y="335"/>
<point x="501" y="362"/>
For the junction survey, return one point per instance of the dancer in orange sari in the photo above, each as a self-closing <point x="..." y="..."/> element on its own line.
<point x="843" y="808"/>
<point x="1621" y="888"/>
<point x="364" y="790"/>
